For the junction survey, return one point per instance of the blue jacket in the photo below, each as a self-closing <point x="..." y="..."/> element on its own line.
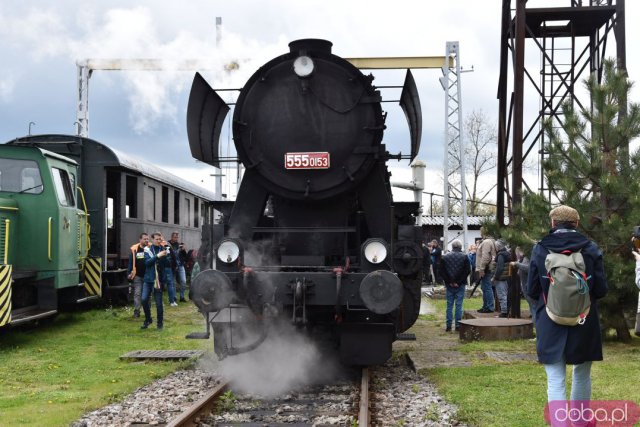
<point x="472" y="260"/>
<point x="151" y="261"/>
<point x="578" y="343"/>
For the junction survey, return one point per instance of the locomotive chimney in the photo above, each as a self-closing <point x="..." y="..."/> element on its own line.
<point x="310" y="45"/>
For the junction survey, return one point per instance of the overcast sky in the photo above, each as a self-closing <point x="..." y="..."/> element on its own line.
<point x="143" y="113"/>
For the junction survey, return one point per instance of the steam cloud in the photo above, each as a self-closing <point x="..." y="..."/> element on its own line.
<point x="132" y="33"/>
<point x="286" y="361"/>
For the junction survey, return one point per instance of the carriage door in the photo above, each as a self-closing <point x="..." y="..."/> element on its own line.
<point x="113" y="206"/>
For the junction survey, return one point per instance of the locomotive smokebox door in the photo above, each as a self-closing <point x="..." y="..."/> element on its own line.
<point x="381" y="291"/>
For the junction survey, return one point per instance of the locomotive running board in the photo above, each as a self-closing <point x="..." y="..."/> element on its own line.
<point x="29" y="314"/>
<point x="206" y="112"/>
<point x="410" y="104"/>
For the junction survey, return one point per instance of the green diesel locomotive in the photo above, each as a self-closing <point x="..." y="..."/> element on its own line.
<point x="44" y="235"/>
<point x="70" y="208"/>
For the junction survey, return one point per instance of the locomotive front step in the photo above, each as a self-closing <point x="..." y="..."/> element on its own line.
<point x="29" y="314"/>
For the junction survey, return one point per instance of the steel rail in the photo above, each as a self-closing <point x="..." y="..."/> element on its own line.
<point x="363" y="416"/>
<point x="188" y="417"/>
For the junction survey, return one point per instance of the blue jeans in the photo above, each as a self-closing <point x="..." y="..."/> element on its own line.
<point x="147" y="288"/>
<point x="455" y="295"/>
<point x="168" y="282"/>
<point x="181" y="279"/>
<point x="502" y="289"/>
<point x="556" y="387"/>
<point x="487" y="293"/>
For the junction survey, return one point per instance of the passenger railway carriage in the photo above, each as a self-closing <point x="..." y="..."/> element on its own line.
<point x="70" y="208"/>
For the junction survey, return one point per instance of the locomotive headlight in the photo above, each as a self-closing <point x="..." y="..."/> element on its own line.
<point x="303" y="66"/>
<point x="228" y="251"/>
<point x="375" y="251"/>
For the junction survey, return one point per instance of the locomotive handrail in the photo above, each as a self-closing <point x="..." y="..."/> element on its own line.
<point x="8" y="208"/>
<point x="304" y="229"/>
<point x="49" y="241"/>
<point x="7" y="223"/>
<point x="86" y="221"/>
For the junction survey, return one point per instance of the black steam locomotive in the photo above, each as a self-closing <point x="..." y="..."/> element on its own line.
<point x="314" y="235"/>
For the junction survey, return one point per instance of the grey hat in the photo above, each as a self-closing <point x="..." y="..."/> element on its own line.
<point x="500" y="244"/>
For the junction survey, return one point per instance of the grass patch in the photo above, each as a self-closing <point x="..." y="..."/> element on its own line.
<point x="491" y="393"/>
<point x="52" y="374"/>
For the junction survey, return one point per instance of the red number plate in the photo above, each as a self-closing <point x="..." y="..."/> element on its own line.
<point x="317" y="160"/>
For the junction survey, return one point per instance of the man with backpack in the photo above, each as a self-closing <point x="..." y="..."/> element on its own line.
<point x="566" y="277"/>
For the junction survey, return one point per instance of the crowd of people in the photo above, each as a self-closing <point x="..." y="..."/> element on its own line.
<point x="156" y="265"/>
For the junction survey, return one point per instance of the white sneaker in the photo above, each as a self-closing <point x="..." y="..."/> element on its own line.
<point x="174" y="304"/>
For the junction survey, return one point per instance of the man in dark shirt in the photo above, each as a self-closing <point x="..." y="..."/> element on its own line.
<point x="135" y="271"/>
<point x="436" y="256"/>
<point x="455" y="268"/>
<point x="178" y="261"/>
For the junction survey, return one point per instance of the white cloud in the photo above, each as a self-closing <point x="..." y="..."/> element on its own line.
<point x="7" y="85"/>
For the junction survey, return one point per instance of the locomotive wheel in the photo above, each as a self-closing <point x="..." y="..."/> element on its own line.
<point x="409" y="310"/>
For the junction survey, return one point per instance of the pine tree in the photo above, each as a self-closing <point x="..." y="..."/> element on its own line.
<point x="591" y="168"/>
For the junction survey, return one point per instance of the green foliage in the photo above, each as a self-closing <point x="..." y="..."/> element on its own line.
<point x="432" y="412"/>
<point x="227" y="401"/>
<point x="589" y="167"/>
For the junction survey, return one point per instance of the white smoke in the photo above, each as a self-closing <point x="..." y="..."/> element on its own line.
<point x="132" y="33"/>
<point x="288" y="360"/>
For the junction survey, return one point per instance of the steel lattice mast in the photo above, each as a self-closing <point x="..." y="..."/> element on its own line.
<point x="454" y="164"/>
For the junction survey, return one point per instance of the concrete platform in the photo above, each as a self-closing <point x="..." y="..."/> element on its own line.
<point x="495" y="328"/>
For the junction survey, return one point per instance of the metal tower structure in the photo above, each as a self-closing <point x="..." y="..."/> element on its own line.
<point x="572" y="43"/>
<point x="454" y="164"/>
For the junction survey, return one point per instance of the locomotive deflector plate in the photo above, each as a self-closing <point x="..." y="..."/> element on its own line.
<point x="205" y="116"/>
<point x="410" y="104"/>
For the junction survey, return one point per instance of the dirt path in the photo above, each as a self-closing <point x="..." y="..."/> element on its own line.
<point x="433" y="346"/>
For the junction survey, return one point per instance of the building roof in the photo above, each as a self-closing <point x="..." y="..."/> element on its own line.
<point x="472" y="221"/>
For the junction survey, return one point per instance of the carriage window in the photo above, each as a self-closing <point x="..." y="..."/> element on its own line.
<point x="188" y="209"/>
<point x="131" y="205"/>
<point x="196" y="215"/>
<point x="63" y="187"/>
<point x="72" y="177"/>
<point x="165" y="204"/>
<point x="110" y="212"/>
<point x="176" y="207"/>
<point x="20" y="176"/>
<point x="150" y="204"/>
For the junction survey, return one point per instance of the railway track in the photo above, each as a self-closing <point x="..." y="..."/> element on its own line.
<point x="332" y="404"/>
